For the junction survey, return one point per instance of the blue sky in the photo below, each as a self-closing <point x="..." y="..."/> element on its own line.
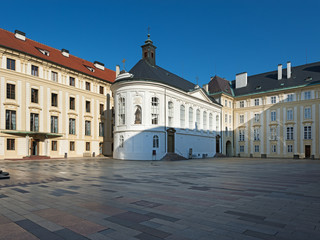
<point x="194" y="39"/>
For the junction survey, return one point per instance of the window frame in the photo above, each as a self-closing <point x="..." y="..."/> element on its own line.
<point x="87" y="128"/>
<point x="11" y="91"/>
<point x="11" y="64"/>
<point x="54" y="124"/>
<point x="35" y="70"/>
<point x="11" y="144"/>
<point x="72" y="81"/>
<point x="155" y="141"/>
<point x="34" y="95"/>
<point x="72" y="126"/>
<point x="11" y="119"/>
<point x="54" y="100"/>
<point x="72" y="103"/>
<point x="88" y="106"/>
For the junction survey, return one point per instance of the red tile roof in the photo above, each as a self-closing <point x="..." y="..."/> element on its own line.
<point x="8" y="39"/>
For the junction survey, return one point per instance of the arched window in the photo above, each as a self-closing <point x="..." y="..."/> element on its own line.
<point x="182" y="116"/>
<point x="121" y="141"/>
<point x="137" y="115"/>
<point x="210" y="122"/>
<point x="170" y="114"/>
<point x="205" y="120"/>
<point x="217" y="123"/>
<point x="155" y="141"/>
<point x="198" y="119"/>
<point x="154" y="110"/>
<point x="190" y="117"/>
<point x="122" y="109"/>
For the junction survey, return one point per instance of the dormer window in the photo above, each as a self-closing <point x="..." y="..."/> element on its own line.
<point x="44" y="52"/>
<point x="91" y="69"/>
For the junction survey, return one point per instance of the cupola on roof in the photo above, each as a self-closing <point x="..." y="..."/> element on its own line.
<point x="149" y="51"/>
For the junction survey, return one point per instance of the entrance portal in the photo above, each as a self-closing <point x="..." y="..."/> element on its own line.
<point x="35" y="147"/>
<point x="170" y="135"/>
<point x="307" y="151"/>
<point x="217" y="144"/>
<point x="228" y="149"/>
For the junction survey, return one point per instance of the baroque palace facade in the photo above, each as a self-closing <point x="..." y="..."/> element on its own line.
<point x="273" y="114"/>
<point x="51" y="102"/>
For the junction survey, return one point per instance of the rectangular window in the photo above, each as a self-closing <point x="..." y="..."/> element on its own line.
<point x="225" y="103"/>
<point x="289" y="133"/>
<point x="256" y="148"/>
<point x="88" y="86"/>
<point x="289" y="115"/>
<point x="72" y="103"/>
<point x="256" y="134"/>
<point x="241" y="118"/>
<point x="10" y="144"/>
<point x="54" y="145"/>
<point x="11" y="64"/>
<point x="241" y="135"/>
<point x="101" y="109"/>
<point x="230" y="119"/>
<point x="273" y="99"/>
<point x="101" y="129"/>
<point x="11" y="91"/>
<point x="257" y="117"/>
<point x="257" y="102"/>
<point x="307" y="113"/>
<point x="72" y="126"/>
<point x="54" y="100"/>
<point x="72" y="81"/>
<point x="229" y="104"/>
<point x="34" y="95"/>
<point x="87" y="106"/>
<point x="34" y="122"/>
<point x="101" y="90"/>
<point x="226" y="118"/>
<point x="273" y="134"/>
<point x="155" y="110"/>
<point x="10" y="120"/>
<point x="54" y="124"/>
<point x="307" y="132"/>
<point x="241" y="104"/>
<point x="72" y="146"/>
<point x="274" y="148"/>
<point x="290" y="97"/>
<point x="54" y="76"/>
<point x="87" y="146"/>
<point x="34" y="70"/>
<point x="87" y="128"/>
<point x="307" y="95"/>
<point x="241" y="148"/>
<point x="290" y="148"/>
<point x="273" y="116"/>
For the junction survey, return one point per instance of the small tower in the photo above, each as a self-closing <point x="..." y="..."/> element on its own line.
<point x="149" y="51"/>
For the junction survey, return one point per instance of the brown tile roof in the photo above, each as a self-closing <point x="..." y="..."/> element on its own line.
<point x="218" y="84"/>
<point x="8" y="40"/>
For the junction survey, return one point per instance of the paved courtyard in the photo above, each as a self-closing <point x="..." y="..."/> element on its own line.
<point x="219" y="199"/>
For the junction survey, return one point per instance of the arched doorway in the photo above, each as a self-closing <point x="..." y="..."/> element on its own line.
<point x="217" y="144"/>
<point x="228" y="149"/>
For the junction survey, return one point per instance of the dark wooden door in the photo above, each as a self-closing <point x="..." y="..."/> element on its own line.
<point x="35" y="147"/>
<point x="307" y="151"/>
<point x="170" y="142"/>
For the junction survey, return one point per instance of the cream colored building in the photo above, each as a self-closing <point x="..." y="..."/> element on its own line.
<point x="51" y="102"/>
<point x="273" y="114"/>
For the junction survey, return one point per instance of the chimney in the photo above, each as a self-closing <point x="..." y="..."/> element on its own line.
<point x="65" y="52"/>
<point x="241" y="80"/>
<point x="20" y="35"/>
<point x="205" y="88"/>
<point x="288" y="70"/>
<point x="117" y="70"/>
<point x="99" y="65"/>
<point x="279" y="71"/>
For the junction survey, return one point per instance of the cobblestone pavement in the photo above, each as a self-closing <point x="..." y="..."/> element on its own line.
<point x="229" y="198"/>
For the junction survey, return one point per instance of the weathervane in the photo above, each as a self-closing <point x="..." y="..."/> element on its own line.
<point x="124" y="61"/>
<point x="148" y="31"/>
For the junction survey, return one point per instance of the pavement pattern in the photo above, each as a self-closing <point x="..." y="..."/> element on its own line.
<point x="101" y="198"/>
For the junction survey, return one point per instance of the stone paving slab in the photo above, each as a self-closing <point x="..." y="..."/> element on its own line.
<point x="102" y="198"/>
